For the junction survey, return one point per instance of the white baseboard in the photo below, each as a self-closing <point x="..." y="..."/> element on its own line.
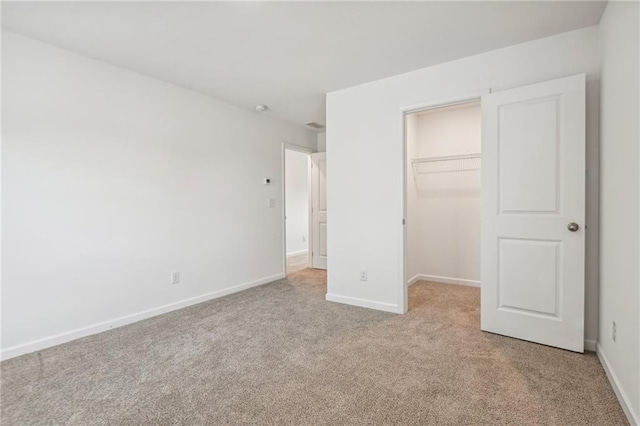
<point x="445" y="280"/>
<point x="590" y="345"/>
<point x="58" y="339"/>
<point x="623" y="398"/>
<point x="363" y="303"/>
<point x="296" y="253"/>
<point x="414" y="279"/>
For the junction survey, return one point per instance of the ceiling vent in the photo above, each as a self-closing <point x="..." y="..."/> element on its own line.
<point x="315" y="125"/>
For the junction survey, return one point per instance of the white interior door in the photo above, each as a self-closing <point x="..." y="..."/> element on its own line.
<point x="319" y="210"/>
<point x="533" y="209"/>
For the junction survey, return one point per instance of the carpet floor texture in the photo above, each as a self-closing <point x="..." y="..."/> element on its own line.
<point x="281" y="354"/>
<point x="297" y="262"/>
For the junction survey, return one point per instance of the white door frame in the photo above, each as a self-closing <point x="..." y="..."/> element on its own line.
<point x="291" y="147"/>
<point x="403" y="294"/>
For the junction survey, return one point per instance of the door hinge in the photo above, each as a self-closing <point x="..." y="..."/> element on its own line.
<point x="403" y="221"/>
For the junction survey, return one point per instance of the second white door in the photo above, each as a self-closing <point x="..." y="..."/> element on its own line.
<point x="319" y="210"/>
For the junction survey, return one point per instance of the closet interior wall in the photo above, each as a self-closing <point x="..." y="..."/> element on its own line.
<point x="443" y="202"/>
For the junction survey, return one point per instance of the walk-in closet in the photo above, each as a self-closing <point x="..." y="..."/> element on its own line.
<point x="443" y="194"/>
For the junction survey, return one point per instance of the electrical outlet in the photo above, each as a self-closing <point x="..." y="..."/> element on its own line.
<point x="613" y="331"/>
<point x="175" y="278"/>
<point x="363" y="275"/>
<point x="271" y="203"/>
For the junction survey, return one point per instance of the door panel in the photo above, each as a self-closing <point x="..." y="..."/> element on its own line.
<point x="528" y="277"/>
<point x="319" y="207"/>
<point x="528" y="147"/>
<point x="533" y="186"/>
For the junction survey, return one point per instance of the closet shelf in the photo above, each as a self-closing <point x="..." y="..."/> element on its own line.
<point x="447" y="164"/>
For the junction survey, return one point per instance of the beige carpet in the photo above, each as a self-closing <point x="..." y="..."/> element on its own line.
<point x="297" y="262"/>
<point x="281" y="354"/>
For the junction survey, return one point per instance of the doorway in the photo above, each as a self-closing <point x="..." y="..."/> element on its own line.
<point x="532" y="211"/>
<point x="443" y="195"/>
<point x="297" y="208"/>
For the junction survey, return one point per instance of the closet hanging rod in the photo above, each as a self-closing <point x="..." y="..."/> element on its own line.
<point x="446" y="158"/>
<point x="446" y="164"/>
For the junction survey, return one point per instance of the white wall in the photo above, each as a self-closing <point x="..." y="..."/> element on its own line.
<point x="111" y="181"/>
<point x="322" y="142"/>
<point x="365" y="151"/>
<point x="445" y="230"/>
<point x="297" y="201"/>
<point x="619" y="210"/>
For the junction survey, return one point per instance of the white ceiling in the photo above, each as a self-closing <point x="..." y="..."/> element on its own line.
<point x="287" y="55"/>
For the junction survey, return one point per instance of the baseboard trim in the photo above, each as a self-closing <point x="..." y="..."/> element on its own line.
<point x="363" y="303"/>
<point x="414" y="279"/>
<point x="623" y="398"/>
<point x="590" y="345"/>
<point x="445" y="280"/>
<point x="296" y="253"/>
<point x="68" y="336"/>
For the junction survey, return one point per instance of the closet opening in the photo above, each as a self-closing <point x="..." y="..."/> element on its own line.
<point x="442" y="205"/>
